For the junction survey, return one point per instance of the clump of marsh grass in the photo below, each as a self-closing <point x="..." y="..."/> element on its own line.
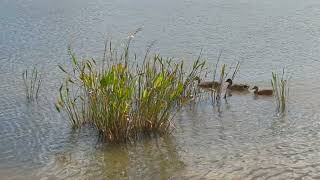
<point x="125" y="101"/>
<point x="216" y="93"/>
<point x="32" y="81"/>
<point x="219" y="87"/>
<point x="73" y="104"/>
<point x="281" y="91"/>
<point x="191" y="89"/>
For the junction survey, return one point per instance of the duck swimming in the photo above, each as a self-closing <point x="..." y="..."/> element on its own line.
<point x="209" y="84"/>
<point x="237" y="87"/>
<point x="215" y="85"/>
<point x="265" y="92"/>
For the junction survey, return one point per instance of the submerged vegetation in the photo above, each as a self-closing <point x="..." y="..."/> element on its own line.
<point x="32" y="82"/>
<point x="125" y="100"/>
<point x="281" y="91"/>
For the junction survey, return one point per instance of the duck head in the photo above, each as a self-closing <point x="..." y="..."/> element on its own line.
<point x="255" y="88"/>
<point x="246" y="86"/>
<point x="197" y="79"/>
<point x="229" y="81"/>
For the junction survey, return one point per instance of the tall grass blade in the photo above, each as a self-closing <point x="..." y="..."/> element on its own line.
<point x="32" y="83"/>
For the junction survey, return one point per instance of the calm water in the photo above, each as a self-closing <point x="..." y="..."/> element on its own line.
<point x="242" y="140"/>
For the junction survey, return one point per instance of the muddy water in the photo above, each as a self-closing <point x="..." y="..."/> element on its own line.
<point x="243" y="139"/>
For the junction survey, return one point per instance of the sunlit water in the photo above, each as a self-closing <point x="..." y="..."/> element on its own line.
<point x="244" y="139"/>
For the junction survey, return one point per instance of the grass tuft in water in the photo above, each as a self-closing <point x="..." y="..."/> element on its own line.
<point x="219" y="89"/>
<point x="32" y="81"/>
<point x="281" y="91"/>
<point x="125" y="101"/>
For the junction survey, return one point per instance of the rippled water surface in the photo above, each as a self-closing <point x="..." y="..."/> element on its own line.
<point x="243" y="139"/>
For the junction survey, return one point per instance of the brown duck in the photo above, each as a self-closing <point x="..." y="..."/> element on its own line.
<point x="237" y="87"/>
<point x="215" y="85"/>
<point x="209" y="84"/>
<point x="264" y="92"/>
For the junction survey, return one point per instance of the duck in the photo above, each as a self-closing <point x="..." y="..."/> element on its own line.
<point x="237" y="87"/>
<point x="230" y="86"/>
<point x="209" y="84"/>
<point x="265" y="92"/>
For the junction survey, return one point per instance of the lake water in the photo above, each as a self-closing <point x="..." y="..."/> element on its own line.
<point x="244" y="139"/>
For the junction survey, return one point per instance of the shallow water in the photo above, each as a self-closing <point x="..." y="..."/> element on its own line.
<point x="244" y="139"/>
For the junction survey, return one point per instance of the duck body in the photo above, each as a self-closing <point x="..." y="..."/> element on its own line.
<point x="231" y="86"/>
<point x="237" y="87"/>
<point x="265" y="92"/>
<point x="209" y="84"/>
